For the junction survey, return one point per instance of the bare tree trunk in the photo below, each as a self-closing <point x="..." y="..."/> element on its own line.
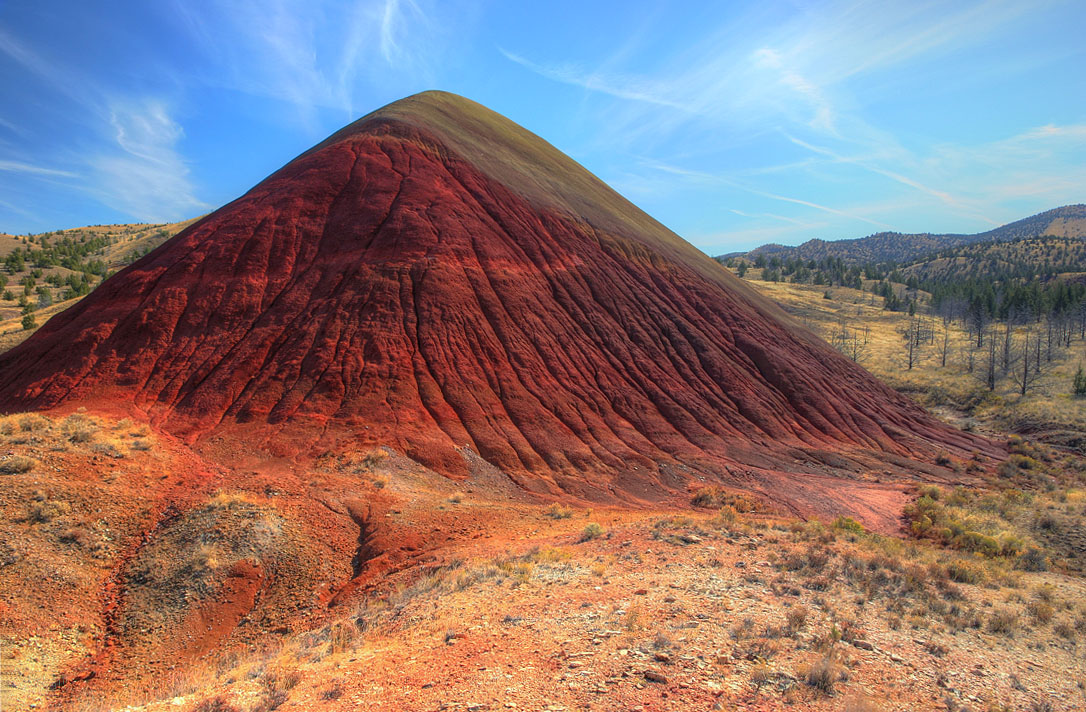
<point x="946" y="342"/>
<point x="990" y="373"/>
<point x="1025" y="365"/>
<point x="1007" y="335"/>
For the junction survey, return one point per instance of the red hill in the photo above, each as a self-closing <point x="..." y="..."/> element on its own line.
<point x="437" y="279"/>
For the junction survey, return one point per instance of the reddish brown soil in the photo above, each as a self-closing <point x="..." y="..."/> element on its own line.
<point x="388" y="288"/>
<point x="184" y="580"/>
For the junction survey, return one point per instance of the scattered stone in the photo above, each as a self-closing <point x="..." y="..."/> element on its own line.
<point x="863" y="645"/>
<point x="654" y="676"/>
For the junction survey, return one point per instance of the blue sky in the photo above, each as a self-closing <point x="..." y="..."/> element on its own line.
<point x="734" y="123"/>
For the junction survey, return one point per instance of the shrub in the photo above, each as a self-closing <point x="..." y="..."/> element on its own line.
<point x="32" y="423"/>
<point x="725" y="517"/>
<point x="374" y="459"/>
<point x="1041" y="611"/>
<point x="716" y="497"/>
<point x="977" y="542"/>
<point x="79" y="431"/>
<point x="45" y="511"/>
<point x="706" y="497"/>
<point x="931" y="492"/>
<point x="592" y="531"/>
<point x="17" y="464"/>
<point x="1003" y="621"/>
<point x="218" y="703"/>
<point x="848" y="524"/>
<point x="825" y="673"/>
<point x="557" y="511"/>
<point x="963" y="571"/>
<point x="1032" y="559"/>
<point x="1023" y="462"/>
<point x="797" y="618"/>
<point x="76" y="535"/>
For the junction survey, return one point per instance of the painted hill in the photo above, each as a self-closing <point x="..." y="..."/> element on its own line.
<point x="436" y="279"/>
<point x="1066" y="221"/>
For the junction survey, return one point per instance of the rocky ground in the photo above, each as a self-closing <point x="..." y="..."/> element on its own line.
<point x="466" y="596"/>
<point x="676" y="612"/>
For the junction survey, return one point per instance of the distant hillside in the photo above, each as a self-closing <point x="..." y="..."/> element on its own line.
<point x="44" y="274"/>
<point x="1066" y="221"/>
<point x="1023" y="258"/>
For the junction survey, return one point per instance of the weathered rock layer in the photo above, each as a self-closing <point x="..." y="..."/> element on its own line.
<point x="435" y="278"/>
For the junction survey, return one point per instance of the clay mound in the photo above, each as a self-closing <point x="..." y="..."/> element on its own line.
<point x="436" y="279"/>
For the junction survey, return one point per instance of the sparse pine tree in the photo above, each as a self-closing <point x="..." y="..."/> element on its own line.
<point x="1080" y="382"/>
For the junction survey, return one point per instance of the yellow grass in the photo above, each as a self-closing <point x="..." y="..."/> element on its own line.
<point x="949" y="390"/>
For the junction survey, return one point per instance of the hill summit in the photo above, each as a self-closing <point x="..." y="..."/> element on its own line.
<point x="436" y="279"/>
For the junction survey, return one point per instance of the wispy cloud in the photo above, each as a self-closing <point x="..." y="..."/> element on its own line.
<point x="135" y="166"/>
<point x="621" y="87"/>
<point x="17" y="167"/>
<point x="704" y="177"/>
<point x="315" y="53"/>
<point x="869" y="165"/>
<point x="772" y="216"/>
<point x="808" y="78"/>
<point x="824" y="115"/>
<point x="12" y="127"/>
<point x="147" y="177"/>
<point x="400" y="20"/>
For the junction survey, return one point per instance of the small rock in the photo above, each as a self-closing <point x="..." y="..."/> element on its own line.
<point x="863" y="645"/>
<point x="654" y="676"/>
<point x="641" y="592"/>
<point x="662" y="657"/>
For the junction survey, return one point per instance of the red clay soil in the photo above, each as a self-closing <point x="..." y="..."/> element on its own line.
<point x="436" y="279"/>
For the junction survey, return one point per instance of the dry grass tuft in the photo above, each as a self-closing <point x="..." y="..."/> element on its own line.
<point x="824" y="673"/>
<point x="17" y="464"/>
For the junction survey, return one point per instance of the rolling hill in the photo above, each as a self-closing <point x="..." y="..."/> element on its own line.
<point x="1067" y="221"/>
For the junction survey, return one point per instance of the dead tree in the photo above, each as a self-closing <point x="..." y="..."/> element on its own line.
<point x="988" y="371"/>
<point x="850" y="341"/>
<point x="911" y="335"/>
<point x="1027" y="365"/>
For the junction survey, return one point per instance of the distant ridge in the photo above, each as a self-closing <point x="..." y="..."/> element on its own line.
<point x="1065" y="221"/>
